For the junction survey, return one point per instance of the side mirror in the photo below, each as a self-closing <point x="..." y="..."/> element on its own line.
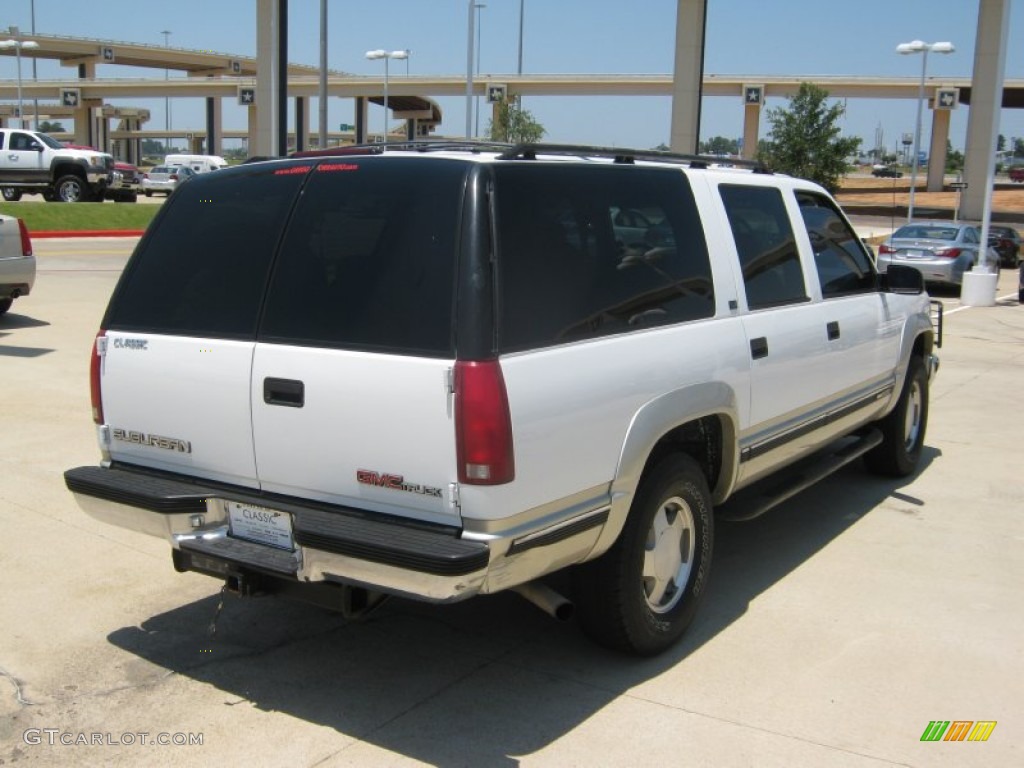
<point x="35" y="146"/>
<point x="902" y="279"/>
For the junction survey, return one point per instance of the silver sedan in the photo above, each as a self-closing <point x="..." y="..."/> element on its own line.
<point x="940" y="250"/>
<point x="164" y="179"/>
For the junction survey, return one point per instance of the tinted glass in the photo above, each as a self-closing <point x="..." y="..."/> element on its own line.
<point x="925" y="232"/>
<point x="764" y="241"/>
<point x="588" y="251"/>
<point x="842" y="264"/>
<point x="202" y="267"/>
<point x="369" y="258"/>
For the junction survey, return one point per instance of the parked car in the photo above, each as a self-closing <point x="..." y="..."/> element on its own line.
<point x="164" y="179"/>
<point x="940" y="250"/>
<point x="1017" y="173"/>
<point x="125" y="183"/>
<point x="886" y="171"/>
<point x="438" y="371"/>
<point x="1006" y="241"/>
<point x="17" y="263"/>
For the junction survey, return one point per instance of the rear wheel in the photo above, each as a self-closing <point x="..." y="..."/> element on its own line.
<point x="642" y="594"/>
<point x="11" y="195"/>
<point x="5" y="304"/>
<point x="904" y="428"/>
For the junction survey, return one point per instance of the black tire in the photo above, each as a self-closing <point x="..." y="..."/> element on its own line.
<point x="11" y="195"/>
<point x="148" y="193"/>
<point x="126" y="197"/>
<point x="904" y="428"/>
<point x="72" y="189"/>
<point x="5" y="304"/>
<point x="641" y="595"/>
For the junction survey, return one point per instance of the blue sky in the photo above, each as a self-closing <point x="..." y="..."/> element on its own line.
<point x="784" y="37"/>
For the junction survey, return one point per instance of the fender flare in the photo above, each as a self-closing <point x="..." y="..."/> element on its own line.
<point x="649" y="425"/>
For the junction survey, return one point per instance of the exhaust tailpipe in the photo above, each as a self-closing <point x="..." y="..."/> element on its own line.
<point x="545" y="598"/>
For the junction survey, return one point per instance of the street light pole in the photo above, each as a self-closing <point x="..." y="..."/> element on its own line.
<point x="479" y="17"/>
<point x="469" y="71"/>
<point x="167" y="99"/>
<point x="17" y="45"/>
<point x="387" y="56"/>
<point x="919" y="46"/>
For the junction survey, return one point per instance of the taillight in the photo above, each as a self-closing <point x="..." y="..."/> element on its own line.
<point x="948" y="253"/>
<point x="483" y="424"/>
<point x="174" y="177"/>
<point x="94" y="377"/>
<point x="26" y="241"/>
<point x="883" y="248"/>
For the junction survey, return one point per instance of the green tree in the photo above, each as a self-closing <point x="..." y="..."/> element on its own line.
<point x="954" y="158"/>
<point x="514" y="124"/>
<point x="47" y="127"/>
<point x="1018" y="147"/>
<point x="1001" y="143"/>
<point x="805" y="139"/>
<point x="719" y="145"/>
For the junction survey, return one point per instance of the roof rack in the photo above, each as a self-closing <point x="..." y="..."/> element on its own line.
<point x="628" y="156"/>
<point x="507" y="151"/>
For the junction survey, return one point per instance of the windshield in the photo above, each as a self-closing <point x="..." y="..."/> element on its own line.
<point x="49" y="141"/>
<point x="918" y="232"/>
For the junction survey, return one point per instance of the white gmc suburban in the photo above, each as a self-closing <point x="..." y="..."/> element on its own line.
<point x="442" y="370"/>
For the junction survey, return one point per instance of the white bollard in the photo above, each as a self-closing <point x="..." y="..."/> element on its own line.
<point x="979" y="288"/>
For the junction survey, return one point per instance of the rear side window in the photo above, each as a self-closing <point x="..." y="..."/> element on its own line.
<point x="588" y="251"/>
<point x="766" y="246"/>
<point x="369" y="259"/>
<point x="842" y="264"/>
<point x="202" y="268"/>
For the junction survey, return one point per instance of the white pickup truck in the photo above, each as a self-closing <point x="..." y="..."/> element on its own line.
<point x="443" y="370"/>
<point x="31" y="161"/>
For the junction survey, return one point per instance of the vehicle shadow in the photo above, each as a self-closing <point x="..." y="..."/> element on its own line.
<point x="11" y="320"/>
<point x="481" y="682"/>
<point x="7" y="351"/>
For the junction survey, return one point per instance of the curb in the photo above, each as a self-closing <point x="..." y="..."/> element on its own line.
<point x="89" y="233"/>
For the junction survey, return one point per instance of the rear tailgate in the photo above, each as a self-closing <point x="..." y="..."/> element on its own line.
<point x="180" y="330"/>
<point x="350" y="393"/>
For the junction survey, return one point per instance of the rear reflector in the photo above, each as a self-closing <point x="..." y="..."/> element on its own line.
<point x="94" y="377"/>
<point x="483" y="424"/>
<point x="26" y="241"/>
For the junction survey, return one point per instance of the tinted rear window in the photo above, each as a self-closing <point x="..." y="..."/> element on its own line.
<point x="202" y="268"/>
<point x="369" y="258"/>
<point x="588" y="251"/>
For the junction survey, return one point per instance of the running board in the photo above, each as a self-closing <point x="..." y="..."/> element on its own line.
<point x="769" y="493"/>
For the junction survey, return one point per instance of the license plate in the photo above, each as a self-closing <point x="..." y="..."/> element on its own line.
<point x="261" y="525"/>
<point x="912" y="254"/>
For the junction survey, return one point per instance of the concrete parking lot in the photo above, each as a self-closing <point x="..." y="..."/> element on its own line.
<point x="836" y="629"/>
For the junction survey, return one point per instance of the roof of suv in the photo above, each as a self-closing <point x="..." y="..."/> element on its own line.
<point x="490" y="151"/>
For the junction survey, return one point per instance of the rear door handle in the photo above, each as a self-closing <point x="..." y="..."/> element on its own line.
<point x="833" y="330"/>
<point x="288" y="392"/>
<point x="759" y="347"/>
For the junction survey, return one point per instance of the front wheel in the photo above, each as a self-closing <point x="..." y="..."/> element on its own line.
<point x="5" y="304"/>
<point x="11" y="195"/>
<point x="642" y="594"/>
<point x="71" y="189"/>
<point x="903" y="429"/>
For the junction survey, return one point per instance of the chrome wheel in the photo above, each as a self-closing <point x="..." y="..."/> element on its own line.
<point x="912" y="418"/>
<point x="668" y="554"/>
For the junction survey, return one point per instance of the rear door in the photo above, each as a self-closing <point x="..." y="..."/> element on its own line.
<point x="181" y="327"/>
<point x="22" y="157"/>
<point x="350" y="374"/>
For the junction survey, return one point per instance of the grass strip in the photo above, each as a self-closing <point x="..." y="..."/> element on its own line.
<point x="70" y="217"/>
